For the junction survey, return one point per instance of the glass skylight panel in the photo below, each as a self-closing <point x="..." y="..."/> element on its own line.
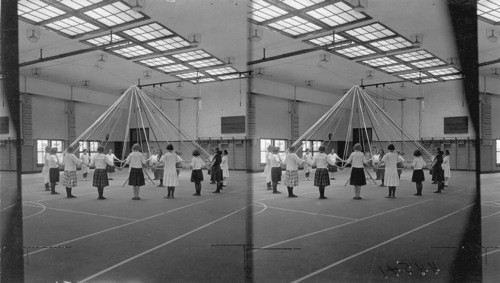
<point x="428" y="63"/>
<point x="231" y="77"/>
<point x="221" y="71"/>
<point x="391" y="44"/>
<point x="489" y="9"/>
<point x="414" y="75"/>
<point x="37" y="11"/>
<point x="262" y="11"/>
<point x="295" y="26"/>
<point x="173" y="68"/>
<point x="206" y="63"/>
<point x="370" y="32"/>
<point x="425" y="81"/>
<point x="327" y="39"/>
<point x="382" y="61"/>
<point x="78" y="4"/>
<point x="190" y="75"/>
<point x="444" y="71"/>
<point x="204" y="80"/>
<point x="105" y="39"/>
<point x="132" y="51"/>
<point x="336" y="14"/>
<point x="396" y="68"/>
<point x="355" y="51"/>
<point x="172" y="43"/>
<point x="72" y="26"/>
<point x="192" y="55"/>
<point x="414" y="56"/>
<point x="114" y="14"/>
<point x="158" y="61"/>
<point x="148" y="32"/>
<point x="452" y="77"/>
<point x="301" y="4"/>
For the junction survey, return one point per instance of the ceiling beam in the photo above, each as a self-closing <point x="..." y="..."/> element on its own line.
<point x="488" y="63"/>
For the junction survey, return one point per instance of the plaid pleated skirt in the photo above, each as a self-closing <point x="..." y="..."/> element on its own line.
<point x="275" y="174"/>
<point x="110" y="169"/>
<point x="357" y="177"/>
<point x="54" y="175"/>
<point x="196" y="175"/>
<point x="418" y="175"/>
<point x="69" y="179"/>
<point x="321" y="178"/>
<point x="136" y="177"/>
<point x="291" y="178"/>
<point x="100" y="179"/>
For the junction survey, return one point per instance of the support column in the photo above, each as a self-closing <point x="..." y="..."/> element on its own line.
<point x="294" y="120"/>
<point x="402" y="121"/>
<point x="11" y="222"/>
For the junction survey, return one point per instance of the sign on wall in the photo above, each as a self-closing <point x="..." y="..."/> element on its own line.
<point x="456" y="125"/>
<point x="4" y="125"/>
<point x="233" y="125"/>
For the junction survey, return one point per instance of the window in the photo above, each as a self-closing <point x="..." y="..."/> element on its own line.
<point x="40" y="149"/>
<point x="264" y="143"/>
<point x="91" y="146"/>
<point x="313" y="146"/>
<point x="498" y="153"/>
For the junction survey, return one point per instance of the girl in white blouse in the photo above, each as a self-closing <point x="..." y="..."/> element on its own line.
<point x="46" y="168"/>
<point x="358" y="161"/>
<point x="197" y="174"/>
<point x="321" y="177"/>
<point x="446" y="167"/>
<point x="100" y="179"/>
<point x="136" y="176"/>
<point x="391" y="177"/>
<point x="418" y="173"/>
<point x="69" y="179"/>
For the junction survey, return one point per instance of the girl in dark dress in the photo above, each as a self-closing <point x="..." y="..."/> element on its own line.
<point x="217" y="171"/>
<point x="437" y="170"/>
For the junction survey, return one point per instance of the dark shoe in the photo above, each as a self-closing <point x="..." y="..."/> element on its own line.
<point x="136" y="198"/>
<point x="417" y="194"/>
<point x="382" y="185"/>
<point x="212" y="182"/>
<point x="434" y="182"/>
<point x="388" y="196"/>
<point x="293" y="196"/>
<point x="167" y="197"/>
<point x="101" y="198"/>
<point x="216" y="192"/>
<point x="322" y="197"/>
<point x="110" y="179"/>
<point x="54" y="193"/>
<point x="71" y="196"/>
<point x="196" y="194"/>
<point x="276" y="192"/>
<point x="437" y="192"/>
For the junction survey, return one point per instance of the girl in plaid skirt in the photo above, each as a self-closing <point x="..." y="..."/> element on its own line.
<point x="358" y="160"/>
<point x="69" y="177"/>
<point x="275" y="163"/>
<point x="100" y="173"/>
<point x="292" y="162"/>
<point x="321" y="177"/>
<point x="136" y="176"/>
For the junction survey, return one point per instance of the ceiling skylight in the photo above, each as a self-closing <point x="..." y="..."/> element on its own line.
<point x="78" y="4"/>
<point x="190" y="75"/>
<point x="355" y="51"/>
<point x="173" y="68"/>
<point x="170" y="43"/>
<point x="132" y="51"/>
<point x="382" y="61"/>
<point x="206" y="63"/>
<point x="231" y="77"/>
<point x="425" y="81"/>
<point x="428" y="63"/>
<point x="444" y="71"/>
<point x="37" y="11"/>
<point x="221" y="71"/>
<point x="396" y="68"/>
<point x="295" y="26"/>
<point x="414" y="75"/>
<point x="158" y="61"/>
<point x="325" y="40"/>
<point x="414" y="56"/>
<point x="192" y="55"/>
<point x="72" y="26"/>
<point x="489" y="10"/>
<point x="102" y="40"/>
<point x="148" y="32"/>
<point x="336" y="14"/>
<point x="391" y="44"/>
<point x="452" y="77"/>
<point x="114" y="14"/>
<point x="262" y="11"/>
<point x="204" y="80"/>
<point x="301" y="4"/>
<point x="370" y="32"/>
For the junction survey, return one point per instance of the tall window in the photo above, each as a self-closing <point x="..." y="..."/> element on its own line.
<point x="498" y="153"/>
<point x="313" y="146"/>
<point x="40" y="149"/>
<point x="90" y="146"/>
<point x="264" y="143"/>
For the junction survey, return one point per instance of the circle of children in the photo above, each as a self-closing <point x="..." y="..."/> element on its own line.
<point x="165" y="168"/>
<point x="388" y="168"/>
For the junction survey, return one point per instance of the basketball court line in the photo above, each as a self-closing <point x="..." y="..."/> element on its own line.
<point x="161" y="245"/>
<point x="263" y="205"/>
<point x="498" y="212"/>
<point x="378" y="245"/>
<point x="313" y="213"/>
<point x="39" y="212"/>
<point x="342" y="225"/>
<point x="81" y="212"/>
